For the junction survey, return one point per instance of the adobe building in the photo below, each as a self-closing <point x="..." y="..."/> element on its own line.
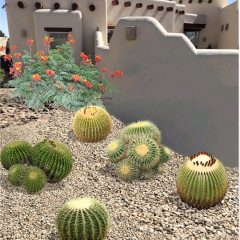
<point x="208" y="23"/>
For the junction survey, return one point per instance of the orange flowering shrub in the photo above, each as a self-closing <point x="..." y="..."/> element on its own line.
<point x="51" y="76"/>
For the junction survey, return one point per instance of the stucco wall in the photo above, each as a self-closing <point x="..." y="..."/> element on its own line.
<point x="212" y="12"/>
<point x="192" y="95"/>
<point x="228" y="39"/>
<point x="22" y="19"/>
<point x="114" y="13"/>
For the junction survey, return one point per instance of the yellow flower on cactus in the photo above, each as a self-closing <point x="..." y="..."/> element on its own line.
<point x="36" y="77"/>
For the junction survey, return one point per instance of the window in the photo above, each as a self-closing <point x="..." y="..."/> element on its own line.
<point x="227" y="26"/>
<point x="193" y="36"/>
<point x="110" y="32"/>
<point x="59" y="39"/>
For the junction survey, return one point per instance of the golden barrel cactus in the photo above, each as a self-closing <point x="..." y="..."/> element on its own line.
<point x="202" y="181"/>
<point x="92" y="124"/>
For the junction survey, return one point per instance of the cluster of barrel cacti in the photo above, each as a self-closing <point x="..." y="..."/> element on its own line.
<point x="138" y="151"/>
<point x="33" y="166"/>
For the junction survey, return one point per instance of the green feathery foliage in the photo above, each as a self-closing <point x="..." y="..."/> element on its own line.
<point x="127" y="170"/>
<point x="142" y="129"/>
<point x="16" y="173"/>
<point x="144" y="152"/>
<point x="202" y="181"/>
<point x="60" y="88"/>
<point x="92" y="124"/>
<point x="116" y="150"/>
<point x="54" y="158"/>
<point x="83" y="218"/>
<point x="15" y="152"/>
<point x="34" y="179"/>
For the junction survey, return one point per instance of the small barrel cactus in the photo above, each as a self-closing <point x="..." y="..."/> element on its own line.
<point x="15" y="152"/>
<point x="92" y="124"/>
<point x="144" y="152"/>
<point x="116" y="150"/>
<point x="127" y="170"/>
<point x="202" y="181"/>
<point x="16" y="173"/>
<point x="83" y="218"/>
<point x="54" y="158"/>
<point x="152" y="172"/>
<point x="34" y="179"/>
<point x="142" y="129"/>
<point x="164" y="154"/>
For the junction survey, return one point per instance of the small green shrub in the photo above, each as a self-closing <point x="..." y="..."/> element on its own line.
<point x="83" y="218"/>
<point x="15" y="152"/>
<point x="53" y="77"/>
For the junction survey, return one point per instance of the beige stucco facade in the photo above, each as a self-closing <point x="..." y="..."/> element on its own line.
<point x="29" y="20"/>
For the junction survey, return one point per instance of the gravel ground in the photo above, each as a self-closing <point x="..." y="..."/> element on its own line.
<point x="146" y="210"/>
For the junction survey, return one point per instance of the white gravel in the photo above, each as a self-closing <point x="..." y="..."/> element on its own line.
<point x="146" y="210"/>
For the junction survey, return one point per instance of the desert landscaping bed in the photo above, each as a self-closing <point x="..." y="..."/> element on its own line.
<point x="142" y="210"/>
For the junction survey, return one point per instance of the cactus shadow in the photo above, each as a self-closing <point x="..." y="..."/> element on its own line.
<point x="108" y="170"/>
<point x="174" y="199"/>
<point x="52" y="236"/>
<point x="71" y="135"/>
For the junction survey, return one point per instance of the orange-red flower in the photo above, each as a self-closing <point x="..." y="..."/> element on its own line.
<point x="119" y="73"/>
<point x="83" y="56"/>
<point x="76" y="78"/>
<point x="2" y="48"/>
<point x="13" y="47"/>
<point x="98" y="58"/>
<point x="47" y="40"/>
<point x="30" y="42"/>
<point x="72" y="41"/>
<point x="44" y="58"/>
<point x="88" y="84"/>
<point x="50" y="72"/>
<point x="18" y="70"/>
<point x="69" y="36"/>
<point x="11" y="70"/>
<point x="104" y="70"/>
<point x="40" y="53"/>
<point x="17" y="55"/>
<point x="36" y="77"/>
<point x="18" y="64"/>
<point x="112" y="75"/>
<point x="7" y="57"/>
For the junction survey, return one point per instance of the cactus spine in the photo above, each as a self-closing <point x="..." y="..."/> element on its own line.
<point x="202" y="181"/>
<point x="92" y="124"/>
<point x="15" y="152"/>
<point x="54" y="158"/>
<point x="83" y="218"/>
<point x="142" y="129"/>
<point x="144" y="152"/>
<point x="16" y="173"/>
<point x="116" y="150"/>
<point x="34" y="179"/>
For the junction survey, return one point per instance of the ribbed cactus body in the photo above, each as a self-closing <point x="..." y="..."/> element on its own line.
<point x="15" y="152"/>
<point x="127" y="170"/>
<point x="142" y="129"/>
<point x="34" y="180"/>
<point x="116" y="150"/>
<point x="83" y="218"/>
<point x="144" y="152"/>
<point x="202" y="181"/>
<point x="54" y="158"/>
<point x="16" y="174"/>
<point x="164" y="154"/>
<point x="92" y="124"/>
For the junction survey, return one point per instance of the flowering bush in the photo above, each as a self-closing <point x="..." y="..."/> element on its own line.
<point x="51" y="76"/>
